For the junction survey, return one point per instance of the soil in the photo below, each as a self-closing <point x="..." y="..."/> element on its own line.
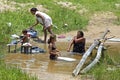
<point x="97" y="25"/>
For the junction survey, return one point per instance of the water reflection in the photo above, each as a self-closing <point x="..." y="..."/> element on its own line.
<point x="30" y="62"/>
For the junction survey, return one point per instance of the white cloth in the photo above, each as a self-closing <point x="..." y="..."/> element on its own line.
<point x="27" y="44"/>
<point x="48" y="20"/>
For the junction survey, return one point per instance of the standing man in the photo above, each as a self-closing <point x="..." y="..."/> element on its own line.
<point x="44" y="19"/>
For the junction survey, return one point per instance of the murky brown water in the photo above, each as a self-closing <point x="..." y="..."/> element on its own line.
<point x="46" y="69"/>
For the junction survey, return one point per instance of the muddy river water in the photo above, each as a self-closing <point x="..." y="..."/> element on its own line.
<point x="40" y="65"/>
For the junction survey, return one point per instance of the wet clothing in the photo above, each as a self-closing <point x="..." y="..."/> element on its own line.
<point x="79" y="47"/>
<point x="48" y="20"/>
<point x="53" y="56"/>
<point x="53" y="48"/>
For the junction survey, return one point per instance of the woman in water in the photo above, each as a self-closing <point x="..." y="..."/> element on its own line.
<point x="54" y="53"/>
<point x="78" y="43"/>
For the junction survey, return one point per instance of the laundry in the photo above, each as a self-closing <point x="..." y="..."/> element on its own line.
<point x="37" y="50"/>
<point x="14" y="36"/>
<point x="14" y="42"/>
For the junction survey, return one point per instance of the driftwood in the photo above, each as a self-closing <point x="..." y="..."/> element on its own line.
<point x="82" y="61"/>
<point x="114" y="39"/>
<point x="99" y="52"/>
<point x="87" y="53"/>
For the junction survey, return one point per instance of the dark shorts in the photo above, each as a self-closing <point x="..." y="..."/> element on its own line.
<point x="53" y="57"/>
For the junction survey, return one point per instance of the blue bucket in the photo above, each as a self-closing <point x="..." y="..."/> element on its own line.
<point x="32" y="33"/>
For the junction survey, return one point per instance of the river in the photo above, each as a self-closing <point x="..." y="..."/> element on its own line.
<point x="40" y="65"/>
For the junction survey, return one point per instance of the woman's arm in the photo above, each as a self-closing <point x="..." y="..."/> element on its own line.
<point x="69" y="47"/>
<point x="34" y="24"/>
<point x="55" y="52"/>
<point x="79" y="40"/>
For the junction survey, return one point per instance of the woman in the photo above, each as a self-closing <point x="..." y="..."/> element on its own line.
<point x="54" y="53"/>
<point x="78" y="43"/>
<point x="44" y="19"/>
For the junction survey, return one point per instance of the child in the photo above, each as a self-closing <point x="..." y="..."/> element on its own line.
<point x="25" y="41"/>
<point x="44" y="20"/>
<point x="26" y="37"/>
<point x="78" y="43"/>
<point x="54" y="53"/>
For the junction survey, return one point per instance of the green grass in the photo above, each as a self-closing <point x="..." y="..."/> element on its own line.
<point x="106" y="69"/>
<point x="100" y="72"/>
<point x="22" y="19"/>
<point x="11" y="73"/>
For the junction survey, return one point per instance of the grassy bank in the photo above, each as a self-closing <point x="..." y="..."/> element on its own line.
<point x="76" y="15"/>
<point x="10" y="73"/>
<point x="108" y="66"/>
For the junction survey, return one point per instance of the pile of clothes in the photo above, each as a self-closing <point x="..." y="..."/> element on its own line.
<point x="37" y="50"/>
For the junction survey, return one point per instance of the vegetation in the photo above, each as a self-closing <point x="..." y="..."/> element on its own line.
<point x="8" y="72"/>
<point x="106" y="69"/>
<point x="11" y="73"/>
<point x="21" y="19"/>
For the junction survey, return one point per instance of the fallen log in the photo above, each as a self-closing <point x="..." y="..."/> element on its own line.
<point x="82" y="61"/>
<point x="99" y="52"/>
<point x="87" y="53"/>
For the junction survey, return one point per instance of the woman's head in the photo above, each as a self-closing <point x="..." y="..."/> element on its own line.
<point x="33" y="10"/>
<point x="80" y="34"/>
<point x="52" y="38"/>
